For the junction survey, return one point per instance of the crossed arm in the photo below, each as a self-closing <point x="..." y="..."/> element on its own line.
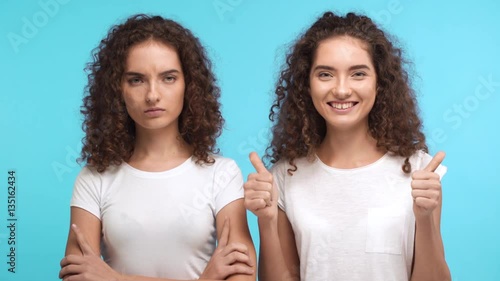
<point x="234" y="259"/>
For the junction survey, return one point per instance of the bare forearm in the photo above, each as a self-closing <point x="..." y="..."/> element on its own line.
<point x="272" y="264"/>
<point x="246" y="277"/>
<point x="143" y="278"/>
<point x="235" y="277"/>
<point x="430" y="263"/>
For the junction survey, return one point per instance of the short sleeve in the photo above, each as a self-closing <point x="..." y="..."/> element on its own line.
<point x="86" y="192"/>
<point x="228" y="183"/>
<point x="426" y="159"/>
<point x="278" y="171"/>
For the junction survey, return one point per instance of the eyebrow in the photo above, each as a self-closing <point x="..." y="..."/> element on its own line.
<point x="133" y="73"/>
<point x="354" y="67"/>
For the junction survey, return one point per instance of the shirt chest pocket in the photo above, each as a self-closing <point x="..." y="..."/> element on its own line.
<point x="385" y="230"/>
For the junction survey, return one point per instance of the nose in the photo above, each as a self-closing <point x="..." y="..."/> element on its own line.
<point x="153" y="96"/>
<point x="342" y="89"/>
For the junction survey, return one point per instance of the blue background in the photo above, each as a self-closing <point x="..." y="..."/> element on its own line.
<point x="454" y="46"/>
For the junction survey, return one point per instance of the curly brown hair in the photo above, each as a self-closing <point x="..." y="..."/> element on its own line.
<point x="109" y="130"/>
<point x="393" y="121"/>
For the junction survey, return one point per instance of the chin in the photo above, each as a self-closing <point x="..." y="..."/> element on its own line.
<point x="343" y="125"/>
<point x="157" y="126"/>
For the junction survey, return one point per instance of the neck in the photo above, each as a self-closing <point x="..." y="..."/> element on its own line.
<point x="159" y="149"/>
<point x="347" y="149"/>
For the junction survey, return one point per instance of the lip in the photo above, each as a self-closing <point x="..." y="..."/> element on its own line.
<point x="154" y="111"/>
<point x="345" y="110"/>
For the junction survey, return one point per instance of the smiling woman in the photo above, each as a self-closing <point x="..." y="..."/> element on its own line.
<point x="352" y="195"/>
<point x="154" y="198"/>
<point x="343" y="82"/>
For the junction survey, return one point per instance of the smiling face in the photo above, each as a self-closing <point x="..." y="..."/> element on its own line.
<point x="343" y="82"/>
<point x="153" y="86"/>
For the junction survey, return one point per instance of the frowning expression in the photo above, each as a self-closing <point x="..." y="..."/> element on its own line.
<point x="153" y="85"/>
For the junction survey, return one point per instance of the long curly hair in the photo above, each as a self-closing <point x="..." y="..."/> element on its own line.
<point x="393" y="121"/>
<point x="109" y="130"/>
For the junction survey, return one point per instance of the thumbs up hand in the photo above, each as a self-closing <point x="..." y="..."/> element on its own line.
<point x="426" y="187"/>
<point x="261" y="194"/>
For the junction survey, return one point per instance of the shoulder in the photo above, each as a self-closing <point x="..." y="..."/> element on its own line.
<point x="279" y="168"/>
<point x="418" y="160"/>
<point x="282" y="166"/>
<point x="221" y="164"/>
<point x="221" y="160"/>
<point x="90" y="174"/>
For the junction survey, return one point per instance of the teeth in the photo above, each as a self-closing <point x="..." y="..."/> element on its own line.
<point x="343" y="105"/>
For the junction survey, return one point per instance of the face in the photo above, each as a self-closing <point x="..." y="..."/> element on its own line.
<point x="153" y="86"/>
<point x="343" y="82"/>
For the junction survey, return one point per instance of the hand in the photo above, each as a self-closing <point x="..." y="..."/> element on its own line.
<point x="89" y="267"/>
<point x="228" y="259"/>
<point x="426" y="187"/>
<point x="261" y="195"/>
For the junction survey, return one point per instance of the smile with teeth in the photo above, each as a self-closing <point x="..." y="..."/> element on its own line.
<point x="342" y="105"/>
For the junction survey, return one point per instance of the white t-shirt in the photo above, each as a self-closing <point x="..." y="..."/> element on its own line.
<point x="159" y="224"/>
<point x="351" y="224"/>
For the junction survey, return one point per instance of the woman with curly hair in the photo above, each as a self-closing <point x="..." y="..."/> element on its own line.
<point x="352" y="195"/>
<point x="153" y="198"/>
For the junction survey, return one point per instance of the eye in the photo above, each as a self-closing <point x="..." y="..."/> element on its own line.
<point x="324" y="75"/>
<point x="169" y="79"/>
<point x="359" y="75"/>
<point x="135" y="81"/>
